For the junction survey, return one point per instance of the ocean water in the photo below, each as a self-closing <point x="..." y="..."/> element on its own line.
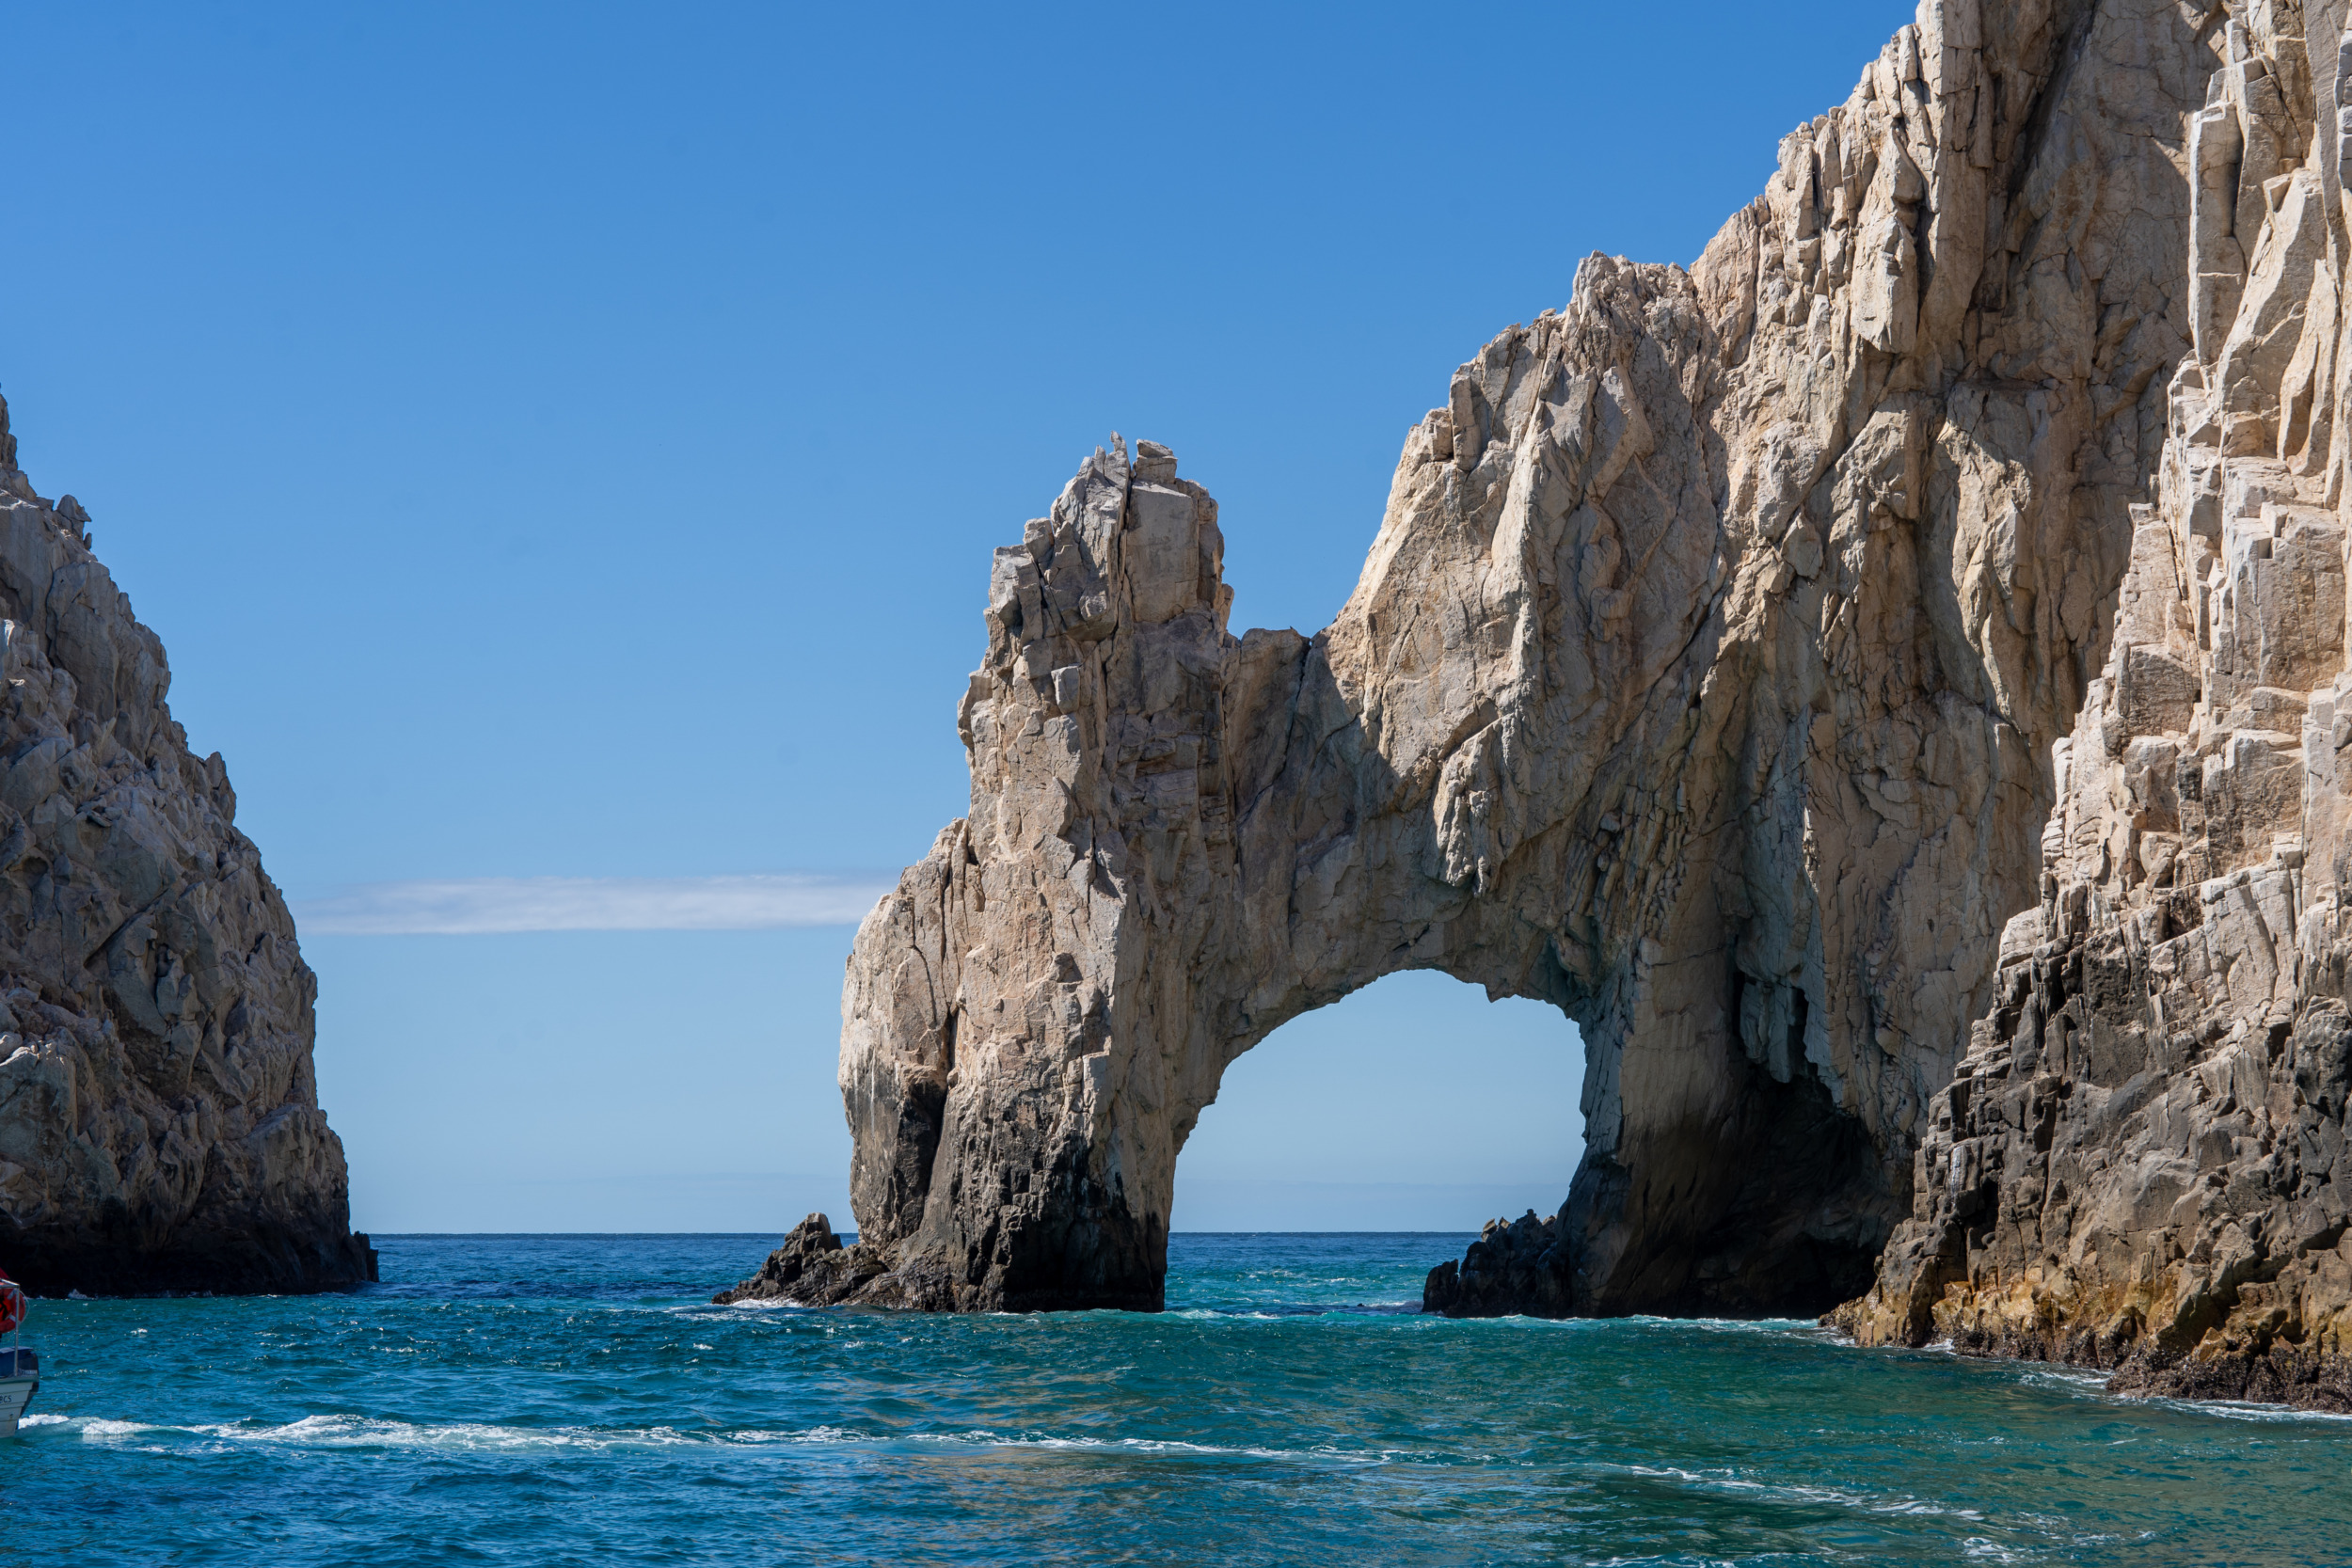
<point x="558" y="1399"/>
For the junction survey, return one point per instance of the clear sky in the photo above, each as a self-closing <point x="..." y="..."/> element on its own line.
<point x="567" y="441"/>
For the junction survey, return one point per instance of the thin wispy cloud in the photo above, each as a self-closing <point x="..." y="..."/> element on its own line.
<point x="485" y="905"/>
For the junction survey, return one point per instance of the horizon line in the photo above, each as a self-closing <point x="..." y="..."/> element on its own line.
<point x="848" y="1230"/>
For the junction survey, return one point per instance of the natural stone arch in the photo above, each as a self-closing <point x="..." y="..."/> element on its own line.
<point x="1701" y="680"/>
<point x="1181" y="841"/>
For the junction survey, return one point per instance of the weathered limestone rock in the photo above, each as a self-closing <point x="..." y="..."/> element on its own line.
<point x="159" y="1122"/>
<point x="2141" y="1163"/>
<point x="1929" y="609"/>
<point x="1703" y="679"/>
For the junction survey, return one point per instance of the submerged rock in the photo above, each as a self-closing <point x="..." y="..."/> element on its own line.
<point x="159" y="1119"/>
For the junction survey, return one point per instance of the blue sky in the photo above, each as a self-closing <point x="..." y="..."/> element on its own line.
<point x="563" y="444"/>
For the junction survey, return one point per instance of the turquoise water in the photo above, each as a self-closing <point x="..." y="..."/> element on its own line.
<point x="535" y="1399"/>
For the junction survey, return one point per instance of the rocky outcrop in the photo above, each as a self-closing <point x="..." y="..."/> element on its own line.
<point x="1887" y="683"/>
<point x="812" y="1265"/>
<point x="1511" y="1268"/>
<point x="159" y="1122"/>
<point x="1703" y="679"/>
<point x="2141" y="1163"/>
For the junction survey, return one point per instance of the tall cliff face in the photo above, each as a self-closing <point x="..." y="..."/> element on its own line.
<point x="159" y="1122"/>
<point x="1704" y="679"/>
<point x="2141" y="1163"/>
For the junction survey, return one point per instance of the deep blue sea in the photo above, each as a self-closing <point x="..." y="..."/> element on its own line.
<point x="558" y="1400"/>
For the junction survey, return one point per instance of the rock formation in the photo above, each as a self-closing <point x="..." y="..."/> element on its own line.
<point x="1513" y="1268"/>
<point x="1729" y="637"/>
<point x="159" y="1122"/>
<point x="2141" y="1163"/>
<point x="811" y="1266"/>
<point x="1701" y="680"/>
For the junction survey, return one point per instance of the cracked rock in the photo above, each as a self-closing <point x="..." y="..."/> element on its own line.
<point x="159" y="1119"/>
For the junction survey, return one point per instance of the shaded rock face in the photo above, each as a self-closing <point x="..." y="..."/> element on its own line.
<point x="812" y="1265"/>
<point x="1703" y="680"/>
<point x="159" y="1122"/>
<point x="2141" y="1163"/>
<point x="1513" y="1267"/>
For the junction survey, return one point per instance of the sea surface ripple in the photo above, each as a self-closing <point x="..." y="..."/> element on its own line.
<point x="560" y="1400"/>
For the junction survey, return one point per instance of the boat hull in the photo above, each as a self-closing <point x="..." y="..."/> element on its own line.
<point x="15" y="1394"/>
<point x="20" y="1380"/>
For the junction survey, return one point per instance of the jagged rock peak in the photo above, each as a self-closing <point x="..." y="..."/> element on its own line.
<point x="1729" y="638"/>
<point x="1701" y="680"/>
<point x="159" y="1119"/>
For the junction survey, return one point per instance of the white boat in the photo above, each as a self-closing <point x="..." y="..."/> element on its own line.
<point x="20" y="1368"/>
<point x="20" y="1380"/>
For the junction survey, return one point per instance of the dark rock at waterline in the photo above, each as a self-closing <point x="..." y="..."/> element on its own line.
<point x="1513" y="1268"/>
<point x="2125" y="1177"/>
<point x="259" y="1260"/>
<point x="811" y="1269"/>
<point x="2279" y="1374"/>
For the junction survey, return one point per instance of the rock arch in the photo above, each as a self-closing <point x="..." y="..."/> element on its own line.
<point x="1701" y="680"/>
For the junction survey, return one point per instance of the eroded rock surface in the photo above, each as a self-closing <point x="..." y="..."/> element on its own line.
<point x="1886" y="684"/>
<point x="2141" y="1163"/>
<point x="159" y="1122"/>
<point x="1703" y="680"/>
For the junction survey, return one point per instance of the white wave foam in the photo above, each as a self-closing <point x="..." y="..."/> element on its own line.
<point x="1792" y="1492"/>
<point x="2244" y="1410"/>
<point x="1304" y="1311"/>
<point x="2056" y="1374"/>
<point x="814" y="1434"/>
<point x="981" y="1437"/>
<point x="2089" y="1383"/>
<point x="90" y="1428"/>
<point x="361" y="1432"/>
<point x="344" y="1430"/>
<point x="1771" y="1329"/>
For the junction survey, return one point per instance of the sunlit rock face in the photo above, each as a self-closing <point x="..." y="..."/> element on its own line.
<point x="159" y="1119"/>
<point x="1703" y="680"/>
<point x="1729" y="639"/>
<point x="2141" y="1163"/>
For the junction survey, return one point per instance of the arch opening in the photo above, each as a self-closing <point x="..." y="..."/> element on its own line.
<point x="1411" y="1104"/>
